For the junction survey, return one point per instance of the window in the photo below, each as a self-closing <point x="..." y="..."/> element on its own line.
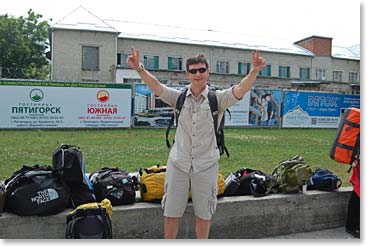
<point x="320" y="74"/>
<point x="337" y="75"/>
<point x="222" y="67"/>
<point x="244" y="68"/>
<point x="304" y="73"/>
<point x="90" y="58"/>
<point x="183" y="82"/>
<point x="151" y="62"/>
<point x="121" y="60"/>
<point x="353" y="77"/>
<point x="132" y="81"/>
<point x="266" y="71"/>
<point x="174" y="63"/>
<point x="284" y="72"/>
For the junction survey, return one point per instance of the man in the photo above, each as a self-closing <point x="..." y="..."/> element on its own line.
<point x="193" y="160"/>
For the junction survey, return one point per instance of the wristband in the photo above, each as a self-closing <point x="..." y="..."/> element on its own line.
<point x="141" y="68"/>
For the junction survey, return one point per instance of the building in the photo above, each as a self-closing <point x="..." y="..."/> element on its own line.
<point x="87" y="48"/>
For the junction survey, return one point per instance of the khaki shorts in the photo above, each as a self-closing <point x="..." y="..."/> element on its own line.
<point x="203" y="186"/>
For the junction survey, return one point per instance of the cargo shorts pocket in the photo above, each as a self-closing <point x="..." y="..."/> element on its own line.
<point x="213" y="201"/>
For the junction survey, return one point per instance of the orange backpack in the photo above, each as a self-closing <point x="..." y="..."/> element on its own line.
<point x="345" y="148"/>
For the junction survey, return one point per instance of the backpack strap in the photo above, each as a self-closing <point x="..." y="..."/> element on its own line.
<point x="213" y="104"/>
<point x="219" y="133"/>
<point x="179" y="104"/>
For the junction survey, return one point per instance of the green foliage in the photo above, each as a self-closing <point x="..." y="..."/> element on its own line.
<point x="131" y="149"/>
<point x="23" y="42"/>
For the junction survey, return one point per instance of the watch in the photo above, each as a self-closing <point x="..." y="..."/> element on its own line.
<point x="141" y="68"/>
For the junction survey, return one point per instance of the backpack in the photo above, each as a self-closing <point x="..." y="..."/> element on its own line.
<point x="218" y="129"/>
<point x="323" y="179"/>
<point x="35" y="190"/>
<point x="90" y="221"/>
<point x="291" y="174"/>
<point x="68" y="162"/>
<point x="346" y="145"/>
<point x="115" y="184"/>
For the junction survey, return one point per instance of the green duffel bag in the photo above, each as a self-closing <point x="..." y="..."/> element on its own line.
<point x="291" y="174"/>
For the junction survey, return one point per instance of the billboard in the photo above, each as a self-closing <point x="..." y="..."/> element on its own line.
<point x="315" y="109"/>
<point x="46" y="104"/>
<point x="265" y="107"/>
<point x="239" y="113"/>
<point x="150" y="111"/>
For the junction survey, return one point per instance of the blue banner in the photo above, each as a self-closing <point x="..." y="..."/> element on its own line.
<point x="313" y="109"/>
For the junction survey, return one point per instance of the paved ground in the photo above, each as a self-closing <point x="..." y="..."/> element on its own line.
<point x="337" y="233"/>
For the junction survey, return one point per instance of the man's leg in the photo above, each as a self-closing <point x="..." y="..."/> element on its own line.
<point x="204" y="188"/>
<point x="202" y="228"/>
<point x="175" y="199"/>
<point x="171" y="225"/>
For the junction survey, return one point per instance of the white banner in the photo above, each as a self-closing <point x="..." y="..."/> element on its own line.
<point x="239" y="113"/>
<point x="26" y="104"/>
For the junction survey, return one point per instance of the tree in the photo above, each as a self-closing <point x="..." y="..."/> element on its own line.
<point x="23" y="42"/>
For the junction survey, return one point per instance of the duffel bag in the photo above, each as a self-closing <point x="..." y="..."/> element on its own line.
<point x="117" y="185"/>
<point x="152" y="182"/>
<point x="346" y="146"/>
<point x="2" y="196"/>
<point x="35" y="190"/>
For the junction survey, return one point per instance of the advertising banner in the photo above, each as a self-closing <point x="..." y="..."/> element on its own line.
<point x="265" y="107"/>
<point x="314" y="109"/>
<point x="150" y="111"/>
<point x="239" y="113"/>
<point x="34" y="104"/>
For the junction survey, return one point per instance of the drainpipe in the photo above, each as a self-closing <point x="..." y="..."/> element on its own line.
<point x="52" y="53"/>
<point x="115" y="66"/>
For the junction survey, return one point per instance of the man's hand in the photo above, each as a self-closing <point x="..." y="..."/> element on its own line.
<point x="258" y="63"/>
<point x="133" y="60"/>
<point x="245" y="84"/>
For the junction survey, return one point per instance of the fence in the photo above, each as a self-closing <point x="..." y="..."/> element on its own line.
<point x="50" y="104"/>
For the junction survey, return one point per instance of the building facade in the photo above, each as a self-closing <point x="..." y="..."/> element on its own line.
<point x="86" y="48"/>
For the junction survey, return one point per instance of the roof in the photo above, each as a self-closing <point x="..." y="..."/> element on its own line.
<point x="352" y="53"/>
<point x="83" y="19"/>
<point x="183" y="35"/>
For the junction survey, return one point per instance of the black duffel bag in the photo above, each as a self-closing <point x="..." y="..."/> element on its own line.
<point x="247" y="181"/>
<point x="35" y="190"/>
<point x="115" y="184"/>
<point x="2" y="194"/>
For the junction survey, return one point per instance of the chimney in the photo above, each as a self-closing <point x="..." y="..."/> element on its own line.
<point x="320" y="46"/>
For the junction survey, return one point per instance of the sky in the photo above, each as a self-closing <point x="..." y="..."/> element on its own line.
<point x="290" y="20"/>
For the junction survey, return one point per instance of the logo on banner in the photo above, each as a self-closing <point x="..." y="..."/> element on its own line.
<point x="36" y="95"/>
<point x="103" y="96"/>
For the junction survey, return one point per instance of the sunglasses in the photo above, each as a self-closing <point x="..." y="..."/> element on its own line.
<point x="194" y="70"/>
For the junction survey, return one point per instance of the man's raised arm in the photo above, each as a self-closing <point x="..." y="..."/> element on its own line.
<point x="133" y="61"/>
<point x="244" y="86"/>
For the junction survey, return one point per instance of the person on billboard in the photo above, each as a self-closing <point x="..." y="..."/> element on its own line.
<point x="193" y="160"/>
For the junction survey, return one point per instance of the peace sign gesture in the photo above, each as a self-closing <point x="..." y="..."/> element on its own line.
<point x="133" y="60"/>
<point x="258" y="63"/>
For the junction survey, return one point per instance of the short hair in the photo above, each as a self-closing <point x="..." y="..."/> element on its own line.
<point x="200" y="58"/>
